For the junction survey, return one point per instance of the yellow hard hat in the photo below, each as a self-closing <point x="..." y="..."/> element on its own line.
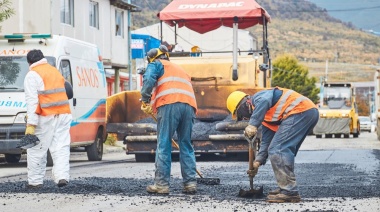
<point x="233" y="101"/>
<point x="156" y="52"/>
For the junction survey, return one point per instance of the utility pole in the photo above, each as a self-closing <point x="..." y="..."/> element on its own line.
<point x="326" y="69"/>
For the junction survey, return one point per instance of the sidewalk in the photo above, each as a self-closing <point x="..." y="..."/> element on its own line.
<point x="118" y="147"/>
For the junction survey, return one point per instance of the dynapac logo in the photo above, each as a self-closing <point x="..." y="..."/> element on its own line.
<point x="214" y="5"/>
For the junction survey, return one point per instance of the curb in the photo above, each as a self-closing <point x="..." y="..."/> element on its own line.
<point x="118" y="147"/>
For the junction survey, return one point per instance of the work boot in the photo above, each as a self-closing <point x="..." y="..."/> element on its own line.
<point x="274" y="192"/>
<point x="280" y="198"/>
<point x="62" y="183"/>
<point x="30" y="186"/>
<point x="157" y="189"/>
<point x="190" y="189"/>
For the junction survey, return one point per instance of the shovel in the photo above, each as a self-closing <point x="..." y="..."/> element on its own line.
<point x="252" y="192"/>
<point x="201" y="180"/>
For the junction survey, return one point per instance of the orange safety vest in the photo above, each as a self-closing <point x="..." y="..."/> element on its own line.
<point x="173" y="86"/>
<point x="289" y="103"/>
<point x="52" y="100"/>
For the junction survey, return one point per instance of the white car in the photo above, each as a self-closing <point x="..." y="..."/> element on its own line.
<point x="365" y="123"/>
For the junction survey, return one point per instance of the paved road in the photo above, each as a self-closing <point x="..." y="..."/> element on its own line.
<point x="333" y="175"/>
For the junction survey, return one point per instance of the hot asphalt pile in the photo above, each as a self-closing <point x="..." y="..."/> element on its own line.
<point x="201" y="129"/>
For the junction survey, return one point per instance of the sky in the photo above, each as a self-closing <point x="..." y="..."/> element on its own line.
<point x="364" y="14"/>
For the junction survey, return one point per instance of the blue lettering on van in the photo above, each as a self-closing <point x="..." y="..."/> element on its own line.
<point x="101" y="70"/>
<point x="12" y="104"/>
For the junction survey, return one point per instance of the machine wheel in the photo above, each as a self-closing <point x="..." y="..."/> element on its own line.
<point x="12" y="158"/>
<point x="328" y="136"/>
<point x="95" y="150"/>
<point x="337" y="135"/>
<point x="49" y="159"/>
<point x="318" y="136"/>
<point x="346" y="135"/>
<point x="356" y="135"/>
<point x="144" y="157"/>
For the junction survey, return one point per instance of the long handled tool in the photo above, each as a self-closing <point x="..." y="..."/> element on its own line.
<point x="201" y="180"/>
<point x="252" y="192"/>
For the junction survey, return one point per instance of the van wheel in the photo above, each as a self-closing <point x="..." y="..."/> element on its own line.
<point x="318" y="136"/>
<point x="49" y="159"/>
<point x="12" y="158"/>
<point x="95" y="150"/>
<point x="346" y="135"/>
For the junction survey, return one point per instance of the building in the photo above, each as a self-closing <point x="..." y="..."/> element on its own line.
<point x="102" y="22"/>
<point x="218" y="40"/>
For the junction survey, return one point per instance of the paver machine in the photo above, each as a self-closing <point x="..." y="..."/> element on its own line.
<point x="214" y="76"/>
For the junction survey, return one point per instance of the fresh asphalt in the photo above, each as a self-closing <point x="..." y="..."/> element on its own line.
<point x="332" y="175"/>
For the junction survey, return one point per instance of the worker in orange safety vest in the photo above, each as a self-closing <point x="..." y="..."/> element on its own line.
<point x="49" y="118"/>
<point x="168" y="92"/>
<point x="286" y="118"/>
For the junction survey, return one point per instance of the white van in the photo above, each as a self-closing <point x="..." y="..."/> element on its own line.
<point x="80" y="63"/>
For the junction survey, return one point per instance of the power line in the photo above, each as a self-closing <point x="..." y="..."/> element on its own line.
<point x="337" y="10"/>
<point x="354" y="9"/>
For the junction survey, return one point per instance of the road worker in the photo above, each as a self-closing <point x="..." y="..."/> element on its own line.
<point x="167" y="91"/>
<point x="49" y="118"/>
<point x="286" y="118"/>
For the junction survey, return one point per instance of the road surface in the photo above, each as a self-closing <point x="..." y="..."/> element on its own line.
<point x="334" y="174"/>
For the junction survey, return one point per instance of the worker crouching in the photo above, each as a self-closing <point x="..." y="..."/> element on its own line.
<point x="167" y="91"/>
<point x="286" y="118"/>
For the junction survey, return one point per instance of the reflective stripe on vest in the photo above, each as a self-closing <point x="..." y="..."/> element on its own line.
<point x="53" y="100"/>
<point x="173" y="86"/>
<point x="289" y="103"/>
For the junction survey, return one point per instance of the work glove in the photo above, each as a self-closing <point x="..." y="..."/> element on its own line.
<point x="255" y="169"/>
<point x="147" y="109"/>
<point x="30" y="130"/>
<point x="250" y="131"/>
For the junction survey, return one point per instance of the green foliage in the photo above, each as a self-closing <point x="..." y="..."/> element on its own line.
<point x="288" y="73"/>
<point x="111" y="139"/>
<point x="6" y="11"/>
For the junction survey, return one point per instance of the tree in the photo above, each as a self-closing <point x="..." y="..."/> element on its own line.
<point x="288" y="73"/>
<point x="6" y="11"/>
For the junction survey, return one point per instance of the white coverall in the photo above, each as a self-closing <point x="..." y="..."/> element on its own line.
<point x="53" y="131"/>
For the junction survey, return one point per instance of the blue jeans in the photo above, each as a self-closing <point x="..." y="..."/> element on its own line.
<point x="282" y="147"/>
<point x="171" y="118"/>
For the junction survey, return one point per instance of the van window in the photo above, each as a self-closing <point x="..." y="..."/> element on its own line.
<point x="65" y="70"/>
<point x="13" y="71"/>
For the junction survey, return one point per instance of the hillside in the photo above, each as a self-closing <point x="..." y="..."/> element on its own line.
<point x="307" y="31"/>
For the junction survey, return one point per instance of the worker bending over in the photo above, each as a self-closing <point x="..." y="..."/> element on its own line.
<point x="286" y="118"/>
<point x="167" y="91"/>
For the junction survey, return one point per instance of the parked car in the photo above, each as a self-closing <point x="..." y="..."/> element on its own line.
<point x="365" y="123"/>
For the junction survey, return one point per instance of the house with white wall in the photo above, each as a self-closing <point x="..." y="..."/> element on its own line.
<point x="101" y="22"/>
